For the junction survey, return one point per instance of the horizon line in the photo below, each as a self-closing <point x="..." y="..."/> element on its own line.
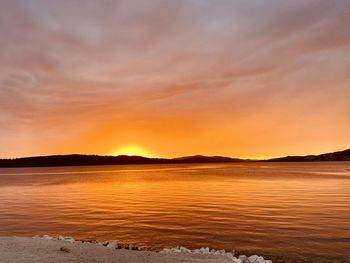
<point x="172" y="158"/>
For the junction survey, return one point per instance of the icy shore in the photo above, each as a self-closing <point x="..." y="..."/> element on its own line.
<point x="206" y="251"/>
<point x="177" y="251"/>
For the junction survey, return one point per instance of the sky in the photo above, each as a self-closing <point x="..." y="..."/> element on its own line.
<point x="165" y="78"/>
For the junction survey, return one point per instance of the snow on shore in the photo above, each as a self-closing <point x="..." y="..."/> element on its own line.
<point x="219" y="254"/>
<point x="222" y="253"/>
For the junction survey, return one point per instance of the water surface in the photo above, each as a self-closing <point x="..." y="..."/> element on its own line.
<point x="290" y="212"/>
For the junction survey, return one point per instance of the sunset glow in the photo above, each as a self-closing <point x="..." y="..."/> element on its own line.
<point x="190" y="130"/>
<point x="132" y="150"/>
<point x="234" y="78"/>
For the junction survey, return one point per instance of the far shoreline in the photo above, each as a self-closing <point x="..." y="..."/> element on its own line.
<point x="97" y="160"/>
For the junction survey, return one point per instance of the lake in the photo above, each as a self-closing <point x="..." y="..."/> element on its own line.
<point x="290" y="212"/>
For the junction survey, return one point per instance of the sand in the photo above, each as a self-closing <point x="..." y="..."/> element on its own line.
<point x="28" y="250"/>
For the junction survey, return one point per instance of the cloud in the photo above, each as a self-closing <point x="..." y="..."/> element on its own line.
<point x="78" y="71"/>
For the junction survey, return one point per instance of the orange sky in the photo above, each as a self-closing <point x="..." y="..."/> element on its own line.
<point x="173" y="78"/>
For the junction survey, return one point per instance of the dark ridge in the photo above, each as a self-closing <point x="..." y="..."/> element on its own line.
<point x="84" y="160"/>
<point x="78" y="160"/>
<point x="334" y="156"/>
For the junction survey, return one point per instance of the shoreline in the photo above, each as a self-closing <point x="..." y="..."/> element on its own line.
<point x="66" y="249"/>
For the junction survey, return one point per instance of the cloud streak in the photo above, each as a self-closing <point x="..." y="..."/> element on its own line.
<point x="177" y="77"/>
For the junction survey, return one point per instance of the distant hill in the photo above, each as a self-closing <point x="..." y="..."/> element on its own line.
<point x="334" y="156"/>
<point x="80" y="160"/>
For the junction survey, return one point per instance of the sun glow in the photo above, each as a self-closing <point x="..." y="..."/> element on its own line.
<point x="132" y="150"/>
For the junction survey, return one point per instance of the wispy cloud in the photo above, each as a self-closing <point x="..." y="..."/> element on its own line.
<point x="243" y="78"/>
